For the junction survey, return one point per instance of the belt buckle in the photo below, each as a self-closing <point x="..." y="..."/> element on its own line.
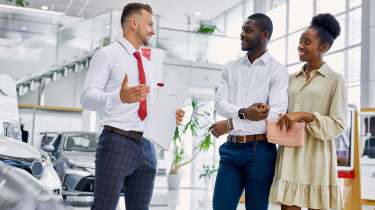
<point x="242" y="140"/>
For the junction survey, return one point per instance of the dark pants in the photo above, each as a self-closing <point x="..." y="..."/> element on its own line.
<point x="126" y="163"/>
<point x="248" y="166"/>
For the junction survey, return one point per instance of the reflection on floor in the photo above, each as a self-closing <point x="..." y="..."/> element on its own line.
<point x="186" y="199"/>
<point x="201" y="198"/>
<point x="183" y="199"/>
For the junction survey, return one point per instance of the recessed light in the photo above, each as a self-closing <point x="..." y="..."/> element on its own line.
<point x="197" y="13"/>
<point x="44" y="7"/>
<point x="24" y="28"/>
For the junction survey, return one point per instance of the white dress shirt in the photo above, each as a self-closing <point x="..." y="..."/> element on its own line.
<point x="243" y="84"/>
<point x="103" y="81"/>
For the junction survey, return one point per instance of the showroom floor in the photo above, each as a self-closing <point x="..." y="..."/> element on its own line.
<point x="184" y="199"/>
<point x="187" y="199"/>
<point x="200" y="199"/>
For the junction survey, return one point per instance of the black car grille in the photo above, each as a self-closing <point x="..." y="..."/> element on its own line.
<point x="86" y="184"/>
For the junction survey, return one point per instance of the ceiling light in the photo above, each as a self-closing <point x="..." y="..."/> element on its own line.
<point x="44" y="7"/>
<point x="34" y="84"/>
<point x="24" y="28"/>
<point x="197" y="13"/>
<point x="64" y="72"/>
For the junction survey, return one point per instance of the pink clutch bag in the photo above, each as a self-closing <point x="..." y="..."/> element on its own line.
<point x="293" y="138"/>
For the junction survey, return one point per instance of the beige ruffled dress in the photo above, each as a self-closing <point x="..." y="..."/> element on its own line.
<point x="307" y="176"/>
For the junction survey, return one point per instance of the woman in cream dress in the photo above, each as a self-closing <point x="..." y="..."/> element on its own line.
<point x="306" y="176"/>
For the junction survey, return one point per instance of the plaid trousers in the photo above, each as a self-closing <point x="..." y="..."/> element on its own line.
<point x="123" y="163"/>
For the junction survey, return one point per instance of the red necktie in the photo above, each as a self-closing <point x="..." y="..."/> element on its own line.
<point x="142" y="110"/>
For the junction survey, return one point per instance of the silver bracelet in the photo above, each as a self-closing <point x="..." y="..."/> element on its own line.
<point x="228" y="125"/>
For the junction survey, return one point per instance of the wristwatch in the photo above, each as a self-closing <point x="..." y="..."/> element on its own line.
<point x="241" y="114"/>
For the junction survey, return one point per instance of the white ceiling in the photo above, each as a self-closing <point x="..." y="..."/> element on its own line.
<point x="173" y="12"/>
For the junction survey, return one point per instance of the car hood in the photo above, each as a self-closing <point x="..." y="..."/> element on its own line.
<point x="81" y="159"/>
<point x="15" y="148"/>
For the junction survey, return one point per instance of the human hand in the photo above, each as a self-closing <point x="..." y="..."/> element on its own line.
<point x="289" y="119"/>
<point x="180" y="113"/>
<point x="257" y="111"/>
<point x="133" y="94"/>
<point x="220" y="128"/>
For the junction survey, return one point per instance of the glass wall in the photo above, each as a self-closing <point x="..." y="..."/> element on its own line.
<point x="292" y="17"/>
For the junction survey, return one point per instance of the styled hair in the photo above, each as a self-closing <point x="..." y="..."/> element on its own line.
<point x="327" y="26"/>
<point x="133" y="8"/>
<point x="263" y="22"/>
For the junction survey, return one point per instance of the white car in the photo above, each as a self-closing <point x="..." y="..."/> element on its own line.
<point x="26" y="157"/>
<point x="13" y="151"/>
<point x="20" y="191"/>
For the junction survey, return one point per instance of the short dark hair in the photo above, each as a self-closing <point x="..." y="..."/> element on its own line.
<point x="132" y="8"/>
<point x="263" y="22"/>
<point x="327" y="26"/>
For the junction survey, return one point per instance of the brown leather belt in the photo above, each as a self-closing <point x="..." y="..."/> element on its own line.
<point x="129" y="134"/>
<point x="248" y="138"/>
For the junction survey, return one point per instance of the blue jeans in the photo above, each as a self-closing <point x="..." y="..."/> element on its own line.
<point x="248" y="166"/>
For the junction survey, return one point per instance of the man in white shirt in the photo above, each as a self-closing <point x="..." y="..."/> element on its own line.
<point x="117" y="86"/>
<point x="253" y="88"/>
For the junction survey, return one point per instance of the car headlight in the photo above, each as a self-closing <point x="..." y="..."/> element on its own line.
<point x="46" y="159"/>
<point x="34" y="167"/>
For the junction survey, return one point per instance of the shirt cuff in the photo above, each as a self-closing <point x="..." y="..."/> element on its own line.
<point x="315" y="120"/>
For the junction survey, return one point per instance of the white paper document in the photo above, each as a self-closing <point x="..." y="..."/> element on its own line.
<point x="161" y="122"/>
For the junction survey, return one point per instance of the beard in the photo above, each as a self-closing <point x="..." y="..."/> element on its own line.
<point x="144" y="38"/>
<point x="145" y="42"/>
<point x="255" y="43"/>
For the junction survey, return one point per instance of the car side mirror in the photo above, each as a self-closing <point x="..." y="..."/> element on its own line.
<point x="48" y="148"/>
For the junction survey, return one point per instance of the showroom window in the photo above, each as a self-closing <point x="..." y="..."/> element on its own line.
<point x="345" y="54"/>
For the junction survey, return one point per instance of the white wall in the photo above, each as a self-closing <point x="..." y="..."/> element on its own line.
<point x="49" y="121"/>
<point x="64" y="92"/>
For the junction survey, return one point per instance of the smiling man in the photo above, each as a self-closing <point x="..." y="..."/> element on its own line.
<point x="119" y="87"/>
<point x="252" y="89"/>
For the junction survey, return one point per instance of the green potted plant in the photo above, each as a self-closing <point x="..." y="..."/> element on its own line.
<point x="206" y="27"/>
<point x="19" y="3"/>
<point x="197" y="124"/>
<point x="207" y="172"/>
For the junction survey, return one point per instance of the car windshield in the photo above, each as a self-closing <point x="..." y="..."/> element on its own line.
<point x="84" y="142"/>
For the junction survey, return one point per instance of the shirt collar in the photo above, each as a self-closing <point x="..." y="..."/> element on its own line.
<point x="265" y="58"/>
<point x="127" y="45"/>
<point x="323" y="70"/>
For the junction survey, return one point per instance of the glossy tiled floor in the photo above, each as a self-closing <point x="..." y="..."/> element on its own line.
<point x="184" y="199"/>
<point x="201" y="198"/>
<point x="187" y="199"/>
